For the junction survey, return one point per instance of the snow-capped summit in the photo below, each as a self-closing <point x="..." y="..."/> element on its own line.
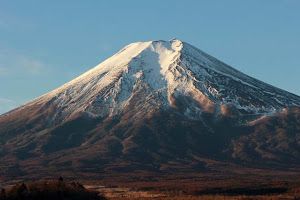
<point x="153" y="106"/>
<point x="161" y="73"/>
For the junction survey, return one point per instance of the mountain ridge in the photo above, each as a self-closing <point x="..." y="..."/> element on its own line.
<point x="155" y="106"/>
<point x="129" y="59"/>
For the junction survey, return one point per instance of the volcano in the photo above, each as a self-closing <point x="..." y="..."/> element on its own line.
<point x="157" y="106"/>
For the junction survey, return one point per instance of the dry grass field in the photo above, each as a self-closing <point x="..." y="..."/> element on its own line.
<point x="130" y="194"/>
<point x="226" y="189"/>
<point x="205" y="186"/>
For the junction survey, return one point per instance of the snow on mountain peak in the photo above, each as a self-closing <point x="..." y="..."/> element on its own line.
<point x="165" y="75"/>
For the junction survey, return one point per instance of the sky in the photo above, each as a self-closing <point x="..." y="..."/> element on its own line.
<point x="44" y="44"/>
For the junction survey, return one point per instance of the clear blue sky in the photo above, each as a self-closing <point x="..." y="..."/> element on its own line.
<point x="44" y="44"/>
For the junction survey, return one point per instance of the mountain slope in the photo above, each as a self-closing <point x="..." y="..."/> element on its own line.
<point x="154" y="105"/>
<point x="165" y="70"/>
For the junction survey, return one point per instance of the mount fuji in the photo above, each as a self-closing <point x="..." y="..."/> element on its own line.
<point x="154" y="106"/>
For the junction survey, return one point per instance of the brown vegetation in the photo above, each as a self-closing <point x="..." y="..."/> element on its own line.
<point x="162" y="142"/>
<point x="180" y="186"/>
<point x="49" y="190"/>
